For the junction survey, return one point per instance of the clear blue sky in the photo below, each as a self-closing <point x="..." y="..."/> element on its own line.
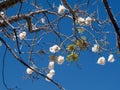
<point x="91" y="77"/>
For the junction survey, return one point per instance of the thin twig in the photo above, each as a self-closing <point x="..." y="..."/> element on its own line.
<point x="3" y="70"/>
<point x="114" y="22"/>
<point x="25" y="64"/>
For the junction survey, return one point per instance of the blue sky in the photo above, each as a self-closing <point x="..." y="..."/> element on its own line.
<point x="89" y="76"/>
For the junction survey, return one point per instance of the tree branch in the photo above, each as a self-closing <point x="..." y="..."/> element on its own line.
<point x="69" y="8"/>
<point x="116" y="27"/>
<point x="8" y="3"/>
<point x="73" y="15"/>
<point x="26" y="17"/>
<point x="25" y="64"/>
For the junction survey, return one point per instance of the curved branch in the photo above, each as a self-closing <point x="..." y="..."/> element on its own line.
<point x="26" y="17"/>
<point x="25" y="64"/>
<point x="3" y="71"/>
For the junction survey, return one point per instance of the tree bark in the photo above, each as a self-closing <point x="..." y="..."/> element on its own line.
<point x="116" y="27"/>
<point x="8" y="3"/>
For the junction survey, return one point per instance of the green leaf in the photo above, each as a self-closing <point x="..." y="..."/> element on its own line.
<point x="83" y="38"/>
<point x="81" y="30"/>
<point x="82" y="44"/>
<point x="71" y="47"/>
<point x="72" y="57"/>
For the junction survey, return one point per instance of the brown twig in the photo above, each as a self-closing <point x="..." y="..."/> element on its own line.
<point x="25" y="64"/>
<point x="26" y="17"/>
<point x="73" y="15"/>
<point x="8" y="3"/>
<point x="69" y="8"/>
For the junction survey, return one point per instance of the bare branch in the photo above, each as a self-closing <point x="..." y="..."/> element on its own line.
<point x="69" y="8"/>
<point x="8" y="3"/>
<point x="25" y="64"/>
<point x="116" y="27"/>
<point x="26" y="17"/>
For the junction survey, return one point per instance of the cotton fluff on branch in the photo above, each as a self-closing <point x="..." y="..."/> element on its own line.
<point x="54" y="49"/>
<point x="95" y="48"/>
<point x="2" y="14"/>
<point x="84" y="21"/>
<point x="88" y="20"/>
<point x="29" y="71"/>
<point x="101" y="61"/>
<point x="81" y="20"/>
<point x="52" y="71"/>
<point x="51" y="65"/>
<point x="22" y="35"/>
<point x="61" y="9"/>
<point x="49" y="76"/>
<point x="111" y="58"/>
<point x="60" y="59"/>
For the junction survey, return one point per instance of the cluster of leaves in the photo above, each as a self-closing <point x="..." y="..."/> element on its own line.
<point x="74" y="49"/>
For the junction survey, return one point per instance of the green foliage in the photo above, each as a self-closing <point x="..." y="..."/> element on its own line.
<point x="81" y="30"/>
<point x="72" y="57"/>
<point x="83" y="38"/>
<point x="82" y="44"/>
<point x="71" y="47"/>
<point x="79" y="44"/>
